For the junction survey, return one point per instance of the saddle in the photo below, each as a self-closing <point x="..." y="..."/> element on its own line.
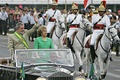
<point x="51" y="32"/>
<point x="65" y="38"/>
<point x="98" y="39"/>
<point x="87" y="45"/>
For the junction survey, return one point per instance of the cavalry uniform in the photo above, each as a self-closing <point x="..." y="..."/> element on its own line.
<point x="100" y="22"/>
<point x="74" y="21"/>
<point x="75" y="24"/>
<point x="100" y="26"/>
<point x="52" y="16"/>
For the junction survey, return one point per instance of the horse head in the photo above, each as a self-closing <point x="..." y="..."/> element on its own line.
<point x="61" y="22"/>
<point x="113" y="34"/>
<point x="60" y="27"/>
<point x="86" y="24"/>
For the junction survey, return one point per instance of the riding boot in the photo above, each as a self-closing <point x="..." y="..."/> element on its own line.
<point x="70" y="45"/>
<point x="92" y="51"/>
<point x="68" y="42"/>
<point x="48" y="34"/>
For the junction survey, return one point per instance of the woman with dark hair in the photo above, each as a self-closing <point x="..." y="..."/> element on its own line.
<point x="43" y="42"/>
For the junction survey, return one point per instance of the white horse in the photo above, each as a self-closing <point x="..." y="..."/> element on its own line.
<point x="57" y="33"/>
<point x="78" y="42"/>
<point x="103" y="50"/>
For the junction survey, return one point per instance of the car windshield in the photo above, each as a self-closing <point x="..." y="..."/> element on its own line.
<point x="44" y="56"/>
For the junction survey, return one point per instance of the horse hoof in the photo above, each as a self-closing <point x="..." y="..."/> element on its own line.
<point x="80" y="68"/>
<point x="103" y="76"/>
<point x="86" y="75"/>
<point x="99" y="78"/>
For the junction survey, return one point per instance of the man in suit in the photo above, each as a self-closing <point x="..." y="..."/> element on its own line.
<point x="20" y="38"/>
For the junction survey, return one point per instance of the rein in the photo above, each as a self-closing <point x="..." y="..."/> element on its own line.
<point x="82" y="28"/>
<point x="59" y="28"/>
<point x="109" y="31"/>
<point x="83" y="36"/>
<point x="107" y="51"/>
<point x="108" y="39"/>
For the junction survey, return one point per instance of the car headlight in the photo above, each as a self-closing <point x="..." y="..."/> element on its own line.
<point x="79" y="78"/>
<point x="41" y="78"/>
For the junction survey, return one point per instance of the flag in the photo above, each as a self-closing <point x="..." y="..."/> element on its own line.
<point x="91" y="73"/>
<point x="22" y="72"/>
<point x="87" y="3"/>
<point x="103" y="2"/>
<point x="53" y="1"/>
<point x="20" y="6"/>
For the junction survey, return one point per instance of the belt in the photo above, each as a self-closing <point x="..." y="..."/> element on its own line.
<point x="52" y="20"/>
<point x="74" y="26"/>
<point x="99" y="26"/>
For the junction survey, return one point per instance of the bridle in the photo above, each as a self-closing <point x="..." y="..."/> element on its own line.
<point x="111" y="32"/>
<point x="84" y="29"/>
<point x="85" y="26"/>
<point x="60" y="27"/>
<point x="110" y="39"/>
<point x="107" y="51"/>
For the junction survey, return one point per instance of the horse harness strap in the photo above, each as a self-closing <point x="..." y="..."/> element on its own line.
<point x="74" y="25"/>
<point x="108" y="38"/>
<point x="51" y="19"/>
<point x="99" y="26"/>
<point x="103" y="48"/>
<point x="79" y="42"/>
<point x="105" y="51"/>
<point x="73" y="19"/>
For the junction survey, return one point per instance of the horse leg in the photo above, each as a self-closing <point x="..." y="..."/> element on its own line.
<point x="86" y="59"/>
<point x="95" y="67"/>
<point x="106" y="63"/>
<point x="101" y="64"/>
<point x="80" y="61"/>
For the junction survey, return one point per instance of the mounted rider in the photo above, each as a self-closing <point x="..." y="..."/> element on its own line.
<point x="52" y="15"/>
<point x="73" y="21"/>
<point x="100" y="21"/>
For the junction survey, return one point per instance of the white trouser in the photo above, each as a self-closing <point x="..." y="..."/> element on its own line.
<point x="95" y="35"/>
<point x="71" y="31"/>
<point x="50" y="26"/>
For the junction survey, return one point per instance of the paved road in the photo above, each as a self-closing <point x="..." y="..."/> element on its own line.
<point x="113" y="71"/>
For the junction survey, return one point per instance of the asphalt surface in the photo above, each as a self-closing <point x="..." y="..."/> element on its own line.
<point x="113" y="70"/>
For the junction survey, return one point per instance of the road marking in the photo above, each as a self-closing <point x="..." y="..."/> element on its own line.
<point x="117" y="70"/>
<point x="3" y="43"/>
<point x="113" y="75"/>
<point x="3" y="46"/>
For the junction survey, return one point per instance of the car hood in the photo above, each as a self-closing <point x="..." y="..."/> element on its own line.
<point x="49" y="71"/>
